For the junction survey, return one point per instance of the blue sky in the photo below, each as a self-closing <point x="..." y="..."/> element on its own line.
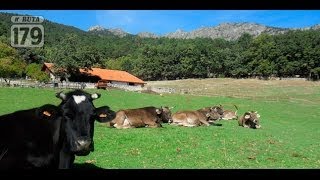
<point x="162" y="22"/>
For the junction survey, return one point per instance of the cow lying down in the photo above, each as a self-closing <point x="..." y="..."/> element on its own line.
<point x="230" y="115"/>
<point x="250" y="119"/>
<point x="205" y="116"/>
<point x="141" y="117"/>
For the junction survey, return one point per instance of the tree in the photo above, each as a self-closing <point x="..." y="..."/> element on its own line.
<point x="34" y="71"/>
<point x="263" y="53"/>
<point x="31" y="55"/>
<point x="70" y="55"/>
<point x="112" y="63"/>
<point x="10" y="64"/>
<point x="315" y="73"/>
<point x="7" y="51"/>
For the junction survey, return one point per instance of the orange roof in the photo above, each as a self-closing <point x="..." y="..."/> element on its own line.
<point x="113" y="75"/>
<point x="49" y="65"/>
<point x="105" y="74"/>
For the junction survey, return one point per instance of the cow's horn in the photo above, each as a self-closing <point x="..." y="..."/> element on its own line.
<point x="61" y="95"/>
<point x="95" y="95"/>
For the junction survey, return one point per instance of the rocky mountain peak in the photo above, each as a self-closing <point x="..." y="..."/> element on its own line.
<point x="147" y="35"/>
<point x="227" y="30"/>
<point x="101" y="30"/>
<point x="96" y="28"/>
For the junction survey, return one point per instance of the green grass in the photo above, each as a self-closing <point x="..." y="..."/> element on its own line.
<point x="289" y="137"/>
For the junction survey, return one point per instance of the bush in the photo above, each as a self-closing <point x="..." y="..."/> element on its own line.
<point x="33" y="70"/>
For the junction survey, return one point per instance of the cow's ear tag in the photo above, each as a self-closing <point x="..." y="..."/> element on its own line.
<point x="46" y="113"/>
<point x="102" y="115"/>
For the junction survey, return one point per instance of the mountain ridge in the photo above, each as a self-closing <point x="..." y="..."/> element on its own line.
<point x="227" y="30"/>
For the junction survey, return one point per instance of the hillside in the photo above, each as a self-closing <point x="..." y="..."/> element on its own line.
<point x="237" y="50"/>
<point x="228" y="31"/>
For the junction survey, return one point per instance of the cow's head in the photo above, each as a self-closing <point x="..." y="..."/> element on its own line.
<point x="165" y="114"/>
<point x="79" y="114"/>
<point x="216" y="112"/>
<point x="253" y="119"/>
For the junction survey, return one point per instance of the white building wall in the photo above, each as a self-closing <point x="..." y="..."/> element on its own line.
<point x="119" y="83"/>
<point x="52" y="77"/>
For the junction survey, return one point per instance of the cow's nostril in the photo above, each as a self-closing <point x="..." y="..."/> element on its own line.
<point x="82" y="142"/>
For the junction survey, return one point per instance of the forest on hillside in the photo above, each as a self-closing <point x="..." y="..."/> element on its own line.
<point x="296" y="52"/>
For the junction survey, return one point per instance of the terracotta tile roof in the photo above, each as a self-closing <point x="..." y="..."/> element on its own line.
<point x="113" y="75"/>
<point x="50" y="67"/>
<point x="47" y="66"/>
<point x="105" y="74"/>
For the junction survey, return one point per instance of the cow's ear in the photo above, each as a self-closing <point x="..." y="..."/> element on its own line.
<point x="247" y="116"/>
<point x="61" y="95"/>
<point x="104" y="114"/>
<point x="47" y="112"/>
<point x="159" y="111"/>
<point x="95" y="96"/>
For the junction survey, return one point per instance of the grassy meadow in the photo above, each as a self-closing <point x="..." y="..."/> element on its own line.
<point x="289" y="137"/>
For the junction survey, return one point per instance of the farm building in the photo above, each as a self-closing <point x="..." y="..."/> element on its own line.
<point x="48" y="68"/>
<point x="112" y="76"/>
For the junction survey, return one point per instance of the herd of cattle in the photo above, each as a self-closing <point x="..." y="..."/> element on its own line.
<point x="154" y="117"/>
<point x="51" y="136"/>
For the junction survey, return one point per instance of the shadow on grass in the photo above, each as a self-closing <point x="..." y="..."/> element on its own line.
<point x="85" y="166"/>
<point x="215" y="124"/>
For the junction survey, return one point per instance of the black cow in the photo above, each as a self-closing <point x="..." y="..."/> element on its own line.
<point x="28" y="137"/>
<point x="79" y="113"/>
<point x="51" y="136"/>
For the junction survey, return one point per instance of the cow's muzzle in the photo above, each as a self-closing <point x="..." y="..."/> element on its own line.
<point x="83" y="146"/>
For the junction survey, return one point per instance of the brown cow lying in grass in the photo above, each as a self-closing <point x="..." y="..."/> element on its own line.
<point x="206" y="116"/>
<point x="250" y="119"/>
<point x="230" y="115"/>
<point x="141" y="117"/>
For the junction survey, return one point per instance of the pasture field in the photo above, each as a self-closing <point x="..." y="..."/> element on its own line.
<point x="289" y="137"/>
